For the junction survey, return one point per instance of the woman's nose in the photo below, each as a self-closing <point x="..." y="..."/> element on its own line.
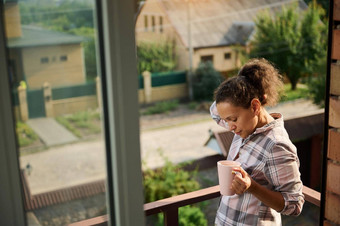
<point x="232" y="127"/>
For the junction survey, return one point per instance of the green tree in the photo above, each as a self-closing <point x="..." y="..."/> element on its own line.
<point x="89" y="50"/>
<point x="47" y="13"/>
<point x="156" y="57"/>
<point x="294" y="44"/>
<point x="324" y="4"/>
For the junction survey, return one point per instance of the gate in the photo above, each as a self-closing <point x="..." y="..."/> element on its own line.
<point x="36" y="103"/>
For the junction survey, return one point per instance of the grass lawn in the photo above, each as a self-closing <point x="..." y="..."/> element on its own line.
<point x="82" y="124"/>
<point x="301" y="91"/>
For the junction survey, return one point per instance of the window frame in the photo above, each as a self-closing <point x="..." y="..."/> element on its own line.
<point x="204" y="58"/>
<point x="44" y="60"/>
<point x="227" y="56"/>
<point x="146" y="26"/>
<point x="153" y="23"/>
<point x="161" y="24"/>
<point x="121" y="120"/>
<point x="11" y="205"/>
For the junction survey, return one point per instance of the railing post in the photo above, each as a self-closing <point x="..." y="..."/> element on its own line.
<point x="171" y="217"/>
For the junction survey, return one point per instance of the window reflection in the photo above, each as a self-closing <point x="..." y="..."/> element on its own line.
<point x="55" y="85"/>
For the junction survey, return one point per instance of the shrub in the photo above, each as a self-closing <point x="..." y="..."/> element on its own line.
<point x="205" y="80"/>
<point x="26" y="135"/>
<point x="161" y="107"/>
<point x="187" y="216"/>
<point x="169" y="181"/>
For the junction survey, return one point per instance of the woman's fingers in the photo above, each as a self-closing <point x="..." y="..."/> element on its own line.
<point x="238" y="186"/>
<point x="241" y="181"/>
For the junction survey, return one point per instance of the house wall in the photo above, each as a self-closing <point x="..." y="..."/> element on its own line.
<point x="55" y="72"/>
<point x="153" y="33"/>
<point x="219" y="61"/>
<point x="332" y="196"/>
<point x="12" y="20"/>
<point x="153" y="8"/>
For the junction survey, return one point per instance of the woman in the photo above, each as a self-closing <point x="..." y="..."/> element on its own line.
<point x="269" y="181"/>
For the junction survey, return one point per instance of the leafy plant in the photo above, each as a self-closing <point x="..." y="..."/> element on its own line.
<point x="205" y="80"/>
<point x="169" y="181"/>
<point x="161" y="107"/>
<point x="156" y="57"/>
<point x="187" y="216"/>
<point x="25" y="134"/>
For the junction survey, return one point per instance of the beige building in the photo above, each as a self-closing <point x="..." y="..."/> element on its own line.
<point x="216" y="29"/>
<point x="38" y="55"/>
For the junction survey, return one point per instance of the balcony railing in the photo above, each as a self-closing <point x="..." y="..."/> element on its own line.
<point x="169" y="206"/>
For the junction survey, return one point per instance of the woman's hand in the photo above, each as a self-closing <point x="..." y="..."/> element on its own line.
<point x="241" y="182"/>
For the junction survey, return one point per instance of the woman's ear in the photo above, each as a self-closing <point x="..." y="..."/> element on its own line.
<point x="256" y="105"/>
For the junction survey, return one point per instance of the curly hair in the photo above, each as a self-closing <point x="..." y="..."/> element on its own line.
<point x="258" y="78"/>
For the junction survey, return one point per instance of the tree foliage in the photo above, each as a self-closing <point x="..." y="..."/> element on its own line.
<point x="62" y="16"/>
<point x="294" y="42"/>
<point x="156" y="57"/>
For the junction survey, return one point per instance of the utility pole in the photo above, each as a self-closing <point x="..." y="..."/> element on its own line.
<point x="190" y="73"/>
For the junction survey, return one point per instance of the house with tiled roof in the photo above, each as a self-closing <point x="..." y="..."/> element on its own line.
<point x="213" y="28"/>
<point x="38" y="55"/>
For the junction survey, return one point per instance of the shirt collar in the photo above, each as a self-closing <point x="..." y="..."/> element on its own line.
<point x="278" y="120"/>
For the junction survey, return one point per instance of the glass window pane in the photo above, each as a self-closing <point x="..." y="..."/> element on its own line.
<point x="55" y="86"/>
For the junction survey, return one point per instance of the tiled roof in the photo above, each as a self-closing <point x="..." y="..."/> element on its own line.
<point x="34" y="36"/>
<point x="219" y="22"/>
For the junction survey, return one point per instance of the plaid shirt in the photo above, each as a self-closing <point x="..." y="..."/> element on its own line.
<point x="270" y="158"/>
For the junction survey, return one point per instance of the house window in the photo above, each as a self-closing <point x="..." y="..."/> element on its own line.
<point x="145" y="23"/>
<point x="44" y="60"/>
<point x="153" y="23"/>
<point x="207" y="58"/>
<point x="63" y="58"/>
<point x="227" y="56"/>
<point x="161" y="24"/>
